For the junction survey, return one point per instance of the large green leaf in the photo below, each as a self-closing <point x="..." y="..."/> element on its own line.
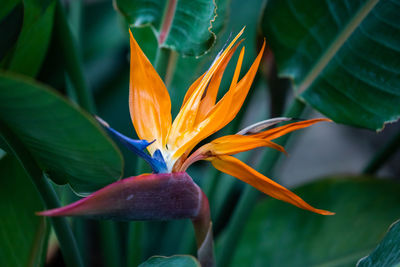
<point x="66" y="141"/>
<point x="387" y="253"/>
<point x="23" y="234"/>
<point x="30" y="49"/>
<point x="342" y="56"/>
<point x="279" y="234"/>
<point x="173" y="261"/>
<point x="188" y="28"/>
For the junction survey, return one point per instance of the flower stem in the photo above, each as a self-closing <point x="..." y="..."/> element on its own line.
<point x="227" y="243"/>
<point x="136" y="229"/>
<point x="134" y="248"/>
<point x="50" y="200"/>
<point x="383" y="155"/>
<point x="204" y="236"/>
<point x="161" y="61"/>
<point x="73" y="62"/>
<point x="110" y="243"/>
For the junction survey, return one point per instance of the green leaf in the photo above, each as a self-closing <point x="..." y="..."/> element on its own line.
<point x="33" y="40"/>
<point x="23" y="234"/>
<point x="11" y="16"/>
<point x="278" y="234"/>
<point x="387" y="253"/>
<point x="342" y="56"/>
<point x="67" y="142"/>
<point x="173" y="261"/>
<point x="6" y="7"/>
<point x="186" y="27"/>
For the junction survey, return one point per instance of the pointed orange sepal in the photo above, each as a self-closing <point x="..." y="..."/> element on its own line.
<point x="184" y="128"/>
<point x="228" y="145"/>
<point x="226" y="109"/>
<point x="238" y="169"/>
<point x="149" y="101"/>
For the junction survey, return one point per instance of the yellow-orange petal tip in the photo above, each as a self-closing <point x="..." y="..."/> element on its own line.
<point x="325" y="212"/>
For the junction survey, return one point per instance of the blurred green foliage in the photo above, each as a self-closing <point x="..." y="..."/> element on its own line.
<point x="342" y="58"/>
<point x="23" y="234"/>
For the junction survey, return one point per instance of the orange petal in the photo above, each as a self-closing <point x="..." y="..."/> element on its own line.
<point x="228" y="145"/>
<point x="238" y="169"/>
<point x="282" y="130"/>
<point x="210" y="96"/>
<point x="202" y="129"/>
<point x="215" y="80"/>
<point x="233" y="144"/>
<point x="192" y="88"/>
<point x="149" y="101"/>
<point x="182" y="127"/>
<point x="226" y="109"/>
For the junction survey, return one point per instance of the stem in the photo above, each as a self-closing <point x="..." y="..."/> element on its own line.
<point x="50" y="200"/>
<point x="229" y="239"/>
<point x="383" y="155"/>
<point x="278" y="88"/>
<point x="161" y="62"/>
<point x="166" y="21"/>
<point x="135" y="229"/>
<point x="134" y="248"/>
<point x="169" y="75"/>
<point x="109" y="244"/>
<point x="80" y="228"/>
<point x="73" y="62"/>
<point x="204" y="237"/>
<point x="75" y="16"/>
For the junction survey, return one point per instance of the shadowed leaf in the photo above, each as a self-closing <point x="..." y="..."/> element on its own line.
<point x="387" y="253"/>
<point x="342" y="56"/>
<point x="33" y="40"/>
<point x="68" y="143"/>
<point x="173" y="261"/>
<point x="22" y="234"/>
<point x="187" y="27"/>
<point x="364" y="207"/>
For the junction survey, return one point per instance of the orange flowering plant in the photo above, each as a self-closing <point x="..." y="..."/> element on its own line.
<point x="169" y="193"/>
<point x="79" y="93"/>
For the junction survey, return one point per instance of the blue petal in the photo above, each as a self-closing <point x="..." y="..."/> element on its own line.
<point x="156" y="162"/>
<point x="160" y="162"/>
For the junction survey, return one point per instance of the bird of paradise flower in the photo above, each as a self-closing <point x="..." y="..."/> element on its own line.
<point x="170" y="144"/>
<point x="169" y="193"/>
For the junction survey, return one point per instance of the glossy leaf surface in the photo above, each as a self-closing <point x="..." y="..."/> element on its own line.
<point x="280" y="235"/>
<point x="29" y="51"/>
<point x="23" y="234"/>
<point x="67" y="142"/>
<point x="173" y="261"/>
<point x="387" y="253"/>
<point x="342" y="56"/>
<point x="187" y="26"/>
